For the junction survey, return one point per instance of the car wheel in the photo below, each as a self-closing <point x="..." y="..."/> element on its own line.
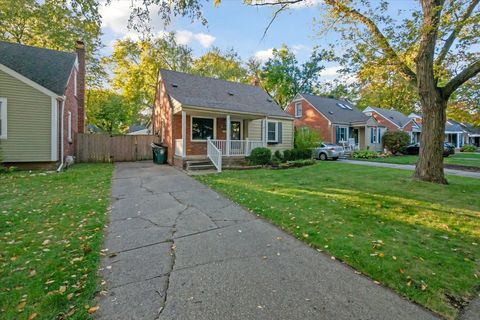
<point x="323" y="156"/>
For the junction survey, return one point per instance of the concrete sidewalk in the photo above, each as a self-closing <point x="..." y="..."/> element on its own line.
<point x="178" y="250"/>
<point x="410" y="167"/>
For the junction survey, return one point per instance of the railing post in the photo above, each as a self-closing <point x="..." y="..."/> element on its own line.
<point x="247" y="147"/>
<point x="184" y="134"/>
<point x="229" y="129"/>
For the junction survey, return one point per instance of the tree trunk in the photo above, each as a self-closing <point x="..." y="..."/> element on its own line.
<point x="430" y="162"/>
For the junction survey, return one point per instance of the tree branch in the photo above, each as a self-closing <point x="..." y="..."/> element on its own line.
<point x="378" y="35"/>
<point x="468" y="73"/>
<point x="275" y="14"/>
<point x="451" y="38"/>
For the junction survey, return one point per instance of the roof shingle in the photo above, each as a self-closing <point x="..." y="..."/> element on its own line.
<point x="394" y="116"/>
<point x="49" y="68"/>
<point x="198" y="91"/>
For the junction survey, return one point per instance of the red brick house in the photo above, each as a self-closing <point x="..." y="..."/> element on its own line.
<point x="394" y="120"/>
<point x="337" y="121"/>
<point x="205" y="121"/>
<point x="42" y="90"/>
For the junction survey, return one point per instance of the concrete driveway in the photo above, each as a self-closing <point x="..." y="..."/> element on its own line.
<point x="178" y="250"/>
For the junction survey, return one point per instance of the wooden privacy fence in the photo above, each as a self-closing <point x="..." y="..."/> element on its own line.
<point x="106" y="148"/>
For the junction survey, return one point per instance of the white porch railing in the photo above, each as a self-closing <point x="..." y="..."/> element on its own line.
<point x="179" y="147"/>
<point x="214" y="154"/>
<point x="236" y="147"/>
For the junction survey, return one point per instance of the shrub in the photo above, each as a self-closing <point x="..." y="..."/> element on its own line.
<point x="297" y="163"/>
<point x="275" y="161"/>
<point x="306" y="138"/>
<point x="364" y="154"/>
<point x="278" y="154"/>
<point x="395" y="141"/>
<point x="260" y="156"/>
<point x="297" y="154"/>
<point x="468" y="148"/>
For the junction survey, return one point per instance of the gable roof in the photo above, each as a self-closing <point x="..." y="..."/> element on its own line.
<point x="211" y="93"/>
<point x="49" y="68"/>
<point x="394" y="116"/>
<point x="454" y="126"/>
<point x="332" y="111"/>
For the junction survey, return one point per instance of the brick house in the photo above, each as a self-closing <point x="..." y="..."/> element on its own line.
<point x="42" y="98"/>
<point x="337" y="121"/>
<point x="394" y="120"/>
<point x="206" y="120"/>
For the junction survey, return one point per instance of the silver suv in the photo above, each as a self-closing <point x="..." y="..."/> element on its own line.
<point x="328" y="151"/>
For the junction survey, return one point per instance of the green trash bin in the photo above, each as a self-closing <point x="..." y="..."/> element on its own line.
<point x="159" y="153"/>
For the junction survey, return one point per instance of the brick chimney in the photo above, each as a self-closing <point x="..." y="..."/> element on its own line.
<point x="80" y="48"/>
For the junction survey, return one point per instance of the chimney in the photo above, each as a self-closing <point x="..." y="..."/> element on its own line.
<point x="80" y="48"/>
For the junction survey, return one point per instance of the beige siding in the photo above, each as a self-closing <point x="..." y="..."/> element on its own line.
<point x="29" y="117"/>
<point x="255" y="128"/>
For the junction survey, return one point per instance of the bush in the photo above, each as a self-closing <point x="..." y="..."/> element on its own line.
<point x="468" y="148"/>
<point x="297" y="164"/>
<point x="275" y="161"/>
<point x="260" y="156"/>
<point x="278" y="154"/>
<point x="297" y="154"/>
<point x="364" y="154"/>
<point x="395" y="141"/>
<point x="306" y="138"/>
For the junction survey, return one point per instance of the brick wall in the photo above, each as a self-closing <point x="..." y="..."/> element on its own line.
<point x="70" y="105"/>
<point x="313" y="119"/>
<point x="81" y="87"/>
<point x="384" y="122"/>
<point x="162" y="121"/>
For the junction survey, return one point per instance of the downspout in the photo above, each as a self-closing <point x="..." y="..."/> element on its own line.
<point x="62" y="105"/>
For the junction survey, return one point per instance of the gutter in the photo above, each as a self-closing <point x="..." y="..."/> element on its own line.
<point x="62" y="106"/>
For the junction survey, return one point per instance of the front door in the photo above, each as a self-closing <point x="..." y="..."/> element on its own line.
<point x="235" y="137"/>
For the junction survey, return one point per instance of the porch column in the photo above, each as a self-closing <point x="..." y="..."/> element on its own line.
<point x="265" y="133"/>
<point x="458" y="140"/>
<point x="229" y="129"/>
<point x="184" y="134"/>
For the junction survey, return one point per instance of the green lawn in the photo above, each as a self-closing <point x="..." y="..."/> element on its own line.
<point x="463" y="159"/>
<point x="51" y="229"/>
<point x="420" y="239"/>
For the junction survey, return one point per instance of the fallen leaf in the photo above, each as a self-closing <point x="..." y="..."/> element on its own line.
<point x="93" y="309"/>
<point x="70" y="296"/>
<point x="62" y="289"/>
<point x="32" y="316"/>
<point x="21" y="305"/>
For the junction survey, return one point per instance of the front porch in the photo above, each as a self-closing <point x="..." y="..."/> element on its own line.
<point x="218" y="136"/>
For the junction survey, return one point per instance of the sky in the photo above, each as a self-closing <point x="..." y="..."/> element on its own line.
<point x="238" y="26"/>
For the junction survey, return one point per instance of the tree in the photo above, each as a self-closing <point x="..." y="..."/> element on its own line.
<point x="221" y="65"/>
<point x="108" y="111"/>
<point x="55" y="25"/>
<point x="135" y="66"/>
<point x="465" y="106"/>
<point x="283" y="76"/>
<point x="306" y="138"/>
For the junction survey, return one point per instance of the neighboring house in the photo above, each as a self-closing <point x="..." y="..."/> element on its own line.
<point x="394" y="120"/>
<point x="200" y="118"/>
<point x="473" y="134"/>
<point x="337" y="121"/>
<point x="41" y="104"/>
<point x="138" y="129"/>
<point x="455" y="132"/>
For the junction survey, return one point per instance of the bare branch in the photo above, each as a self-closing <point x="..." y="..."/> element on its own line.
<point x="451" y="38"/>
<point x="273" y="19"/>
<point x="468" y="73"/>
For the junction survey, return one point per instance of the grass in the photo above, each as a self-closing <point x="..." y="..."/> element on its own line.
<point x="51" y="229"/>
<point x="418" y="238"/>
<point x="463" y="159"/>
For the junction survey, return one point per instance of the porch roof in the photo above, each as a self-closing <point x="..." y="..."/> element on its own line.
<point x="215" y="94"/>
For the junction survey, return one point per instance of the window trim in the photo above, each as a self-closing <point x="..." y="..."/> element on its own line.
<point x="276" y="132"/>
<point x="3" y="118"/>
<point x="69" y="127"/>
<point x="298" y="106"/>
<point x="75" y="75"/>
<point x="201" y="117"/>
<point x="340" y="128"/>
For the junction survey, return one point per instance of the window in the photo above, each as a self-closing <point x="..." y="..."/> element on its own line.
<point x="202" y="128"/>
<point x="342" y="134"/>
<point x="272" y="132"/>
<point x="3" y="118"/>
<point x="75" y="82"/>
<point x="298" y="110"/>
<point x="375" y="135"/>
<point x="69" y="127"/>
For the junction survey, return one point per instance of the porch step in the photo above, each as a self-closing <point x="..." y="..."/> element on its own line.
<point x="200" y="165"/>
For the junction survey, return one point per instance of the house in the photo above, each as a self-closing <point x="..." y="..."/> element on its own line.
<point x="455" y="132"/>
<point x="201" y="118"/>
<point x="138" y="129"/>
<point x="41" y="104"/>
<point x="473" y="134"/>
<point x="394" y="120"/>
<point x="337" y="121"/>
